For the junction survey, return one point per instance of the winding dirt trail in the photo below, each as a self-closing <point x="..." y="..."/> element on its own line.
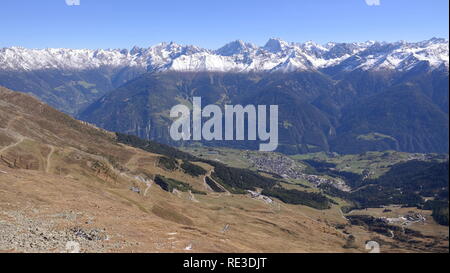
<point x="21" y="139"/>
<point x="18" y="136"/>
<point x="47" y="165"/>
<point x="149" y="185"/>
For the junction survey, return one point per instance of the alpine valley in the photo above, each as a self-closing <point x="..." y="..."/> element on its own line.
<point x="87" y="163"/>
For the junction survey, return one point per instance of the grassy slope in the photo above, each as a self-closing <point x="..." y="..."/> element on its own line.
<point x="78" y="169"/>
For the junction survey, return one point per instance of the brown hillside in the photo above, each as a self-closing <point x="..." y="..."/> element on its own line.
<point x="64" y="180"/>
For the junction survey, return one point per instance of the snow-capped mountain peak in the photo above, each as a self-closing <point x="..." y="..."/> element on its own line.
<point x="238" y="56"/>
<point x="236" y="47"/>
<point x="276" y="45"/>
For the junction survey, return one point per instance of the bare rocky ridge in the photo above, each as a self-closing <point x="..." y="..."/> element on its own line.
<point x="42" y="234"/>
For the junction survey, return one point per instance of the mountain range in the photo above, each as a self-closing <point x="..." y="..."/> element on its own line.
<point x="237" y="56"/>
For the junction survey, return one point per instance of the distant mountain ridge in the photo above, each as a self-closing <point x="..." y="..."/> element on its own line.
<point x="237" y="56"/>
<point x="343" y="97"/>
<point x="352" y="113"/>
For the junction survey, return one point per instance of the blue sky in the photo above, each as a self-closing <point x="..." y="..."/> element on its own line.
<point x="212" y="23"/>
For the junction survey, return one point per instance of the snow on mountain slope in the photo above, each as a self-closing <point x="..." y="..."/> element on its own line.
<point x="237" y="56"/>
<point x="18" y="58"/>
